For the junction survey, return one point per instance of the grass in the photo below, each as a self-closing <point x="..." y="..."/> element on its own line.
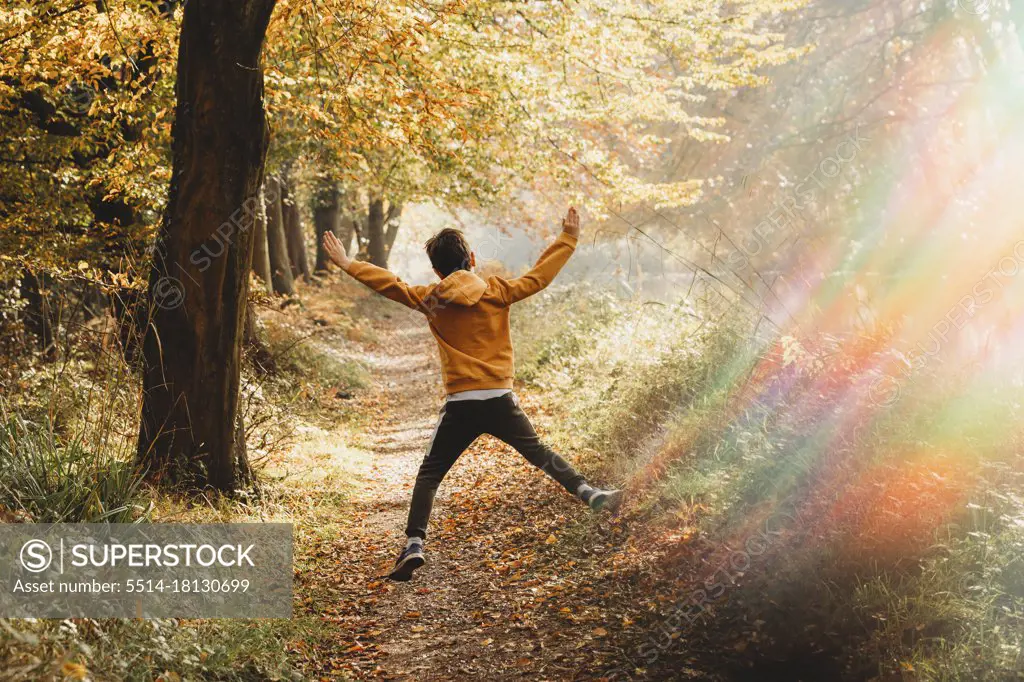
<point x="901" y="559"/>
<point x="310" y="361"/>
<point x="67" y="438"/>
<point x="45" y="478"/>
<point x="144" y="650"/>
<point x="50" y="481"/>
<point x="306" y="369"/>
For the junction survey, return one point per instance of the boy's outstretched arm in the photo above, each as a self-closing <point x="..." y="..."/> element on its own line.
<point x="382" y="281"/>
<point x="549" y="264"/>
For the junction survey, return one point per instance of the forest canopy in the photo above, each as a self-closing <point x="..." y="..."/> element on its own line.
<point x="465" y="104"/>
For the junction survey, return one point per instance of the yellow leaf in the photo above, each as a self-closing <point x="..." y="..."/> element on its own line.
<point x="551" y="539"/>
<point x="75" y="671"/>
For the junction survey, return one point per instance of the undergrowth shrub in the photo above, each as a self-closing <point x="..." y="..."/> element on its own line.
<point x="302" y="359"/>
<point x="146" y="650"/>
<point x="628" y="366"/>
<point x="557" y="325"/>
<point x="49" y="480"/>
<point x="902" y="555"/>
<point x="68" y="431"/>
<point x="67" y="434"/>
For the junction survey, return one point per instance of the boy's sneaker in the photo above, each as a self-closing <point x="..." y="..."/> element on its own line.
<point x="599" y="499"/>
<point x="408" y="561"/>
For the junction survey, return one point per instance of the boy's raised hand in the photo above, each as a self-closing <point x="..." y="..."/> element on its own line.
<point x="571" y="222"/>
<point x="335" y="251"/>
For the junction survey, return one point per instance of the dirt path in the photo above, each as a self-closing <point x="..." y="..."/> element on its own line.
<point x="503" y="596"/>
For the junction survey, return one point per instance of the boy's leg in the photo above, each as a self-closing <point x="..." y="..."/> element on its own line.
<point x="506" y="421"/>
<point x="455" y="431"/>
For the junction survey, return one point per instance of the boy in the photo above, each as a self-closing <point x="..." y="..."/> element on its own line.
<point x="469" y="318"/>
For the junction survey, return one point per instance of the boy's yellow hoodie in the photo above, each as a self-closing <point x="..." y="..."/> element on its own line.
<point x="469" y="316"/>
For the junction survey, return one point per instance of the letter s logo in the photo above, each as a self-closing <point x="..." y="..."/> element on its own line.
<point x="36" y="556"/>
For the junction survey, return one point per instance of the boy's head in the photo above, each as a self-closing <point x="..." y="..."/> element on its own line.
<point x="449" y="251"/>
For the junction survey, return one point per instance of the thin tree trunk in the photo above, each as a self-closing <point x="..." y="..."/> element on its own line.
<point x="94" y="303"/>
<point x="358" y="233"/>
<point x="192" y="350"/>
<point x="391" y="223"/>
<point x="1017" y="16"/>
<point x="280" y="266"/>
<point x="348" y="223"/>
<point x="347" y="232"/>
<point x="244" y="474"/>
<point x="326" y="218"/>
<point x="376" y="246"/>
<point x="253" y="341"/>
<point x="129" y="308"/>
<point x="260" y="252"/>
<point x="297" y="252"/>
<point x="39" y="315"/>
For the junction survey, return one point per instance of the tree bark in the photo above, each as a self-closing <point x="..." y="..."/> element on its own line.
<point x="297" y="252"/>
<point x="326" y="218"/>
<point x="260" y="252"/>
<point x="280" y="266"/>
<point x="192" y="349"/>
<point x="376" y="245"/>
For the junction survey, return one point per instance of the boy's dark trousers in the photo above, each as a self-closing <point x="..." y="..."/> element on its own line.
<point x="460" y="424"/>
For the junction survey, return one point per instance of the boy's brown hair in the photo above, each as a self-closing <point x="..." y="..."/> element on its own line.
<point x="448" y="251"/>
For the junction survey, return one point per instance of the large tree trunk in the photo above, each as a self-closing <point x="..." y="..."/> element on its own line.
<point x="260" y="252"/>
<point x="376" y="245"/>
<point x="280" y="266"/>
<point x="326" y="218"/>
<point x="192" y="349"/>
<point x="293" y="230"/>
